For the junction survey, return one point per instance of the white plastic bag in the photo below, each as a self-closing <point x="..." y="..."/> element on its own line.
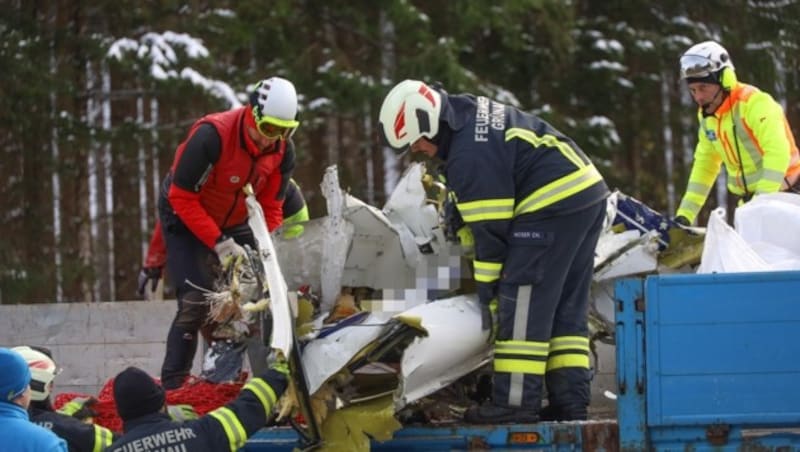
<point x="725" y="251"/>
<point x="770" y="224"/>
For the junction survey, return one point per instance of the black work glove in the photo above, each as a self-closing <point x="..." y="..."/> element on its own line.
<point x="152" y="274"/>
<point x="80" y="408"/>
<point x="682" y="221"/>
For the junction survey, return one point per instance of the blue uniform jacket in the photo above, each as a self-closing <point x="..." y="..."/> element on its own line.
<point x="224" y="429"/>
<point x="80" y="436"/>
<point x="19" y="434"/>
<point x="506" y="165"/>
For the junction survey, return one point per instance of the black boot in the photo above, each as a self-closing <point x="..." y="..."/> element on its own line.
<point x="568" y="394"/>
<point x="489" y="413"/>
<point x="181" y="348"/>
<point x="575" y="413"/>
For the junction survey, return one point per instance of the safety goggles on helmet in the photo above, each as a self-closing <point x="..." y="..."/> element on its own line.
<point x="697" y="66"/>
<point x="274" y="107"/>
<point x="274" y="128"/>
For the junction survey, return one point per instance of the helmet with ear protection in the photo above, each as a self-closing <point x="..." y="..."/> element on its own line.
<point x="43" y="370"/>
<point x="727" y="78"/>
<point x="708" y="62"/>
<point x="409" y="112"/>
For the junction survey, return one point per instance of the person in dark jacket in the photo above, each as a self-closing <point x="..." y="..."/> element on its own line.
<point x="141" y="404"/>
<point x="80" y="436"/>
<point x="535" y="205"/>
<point x="202" y="204"/>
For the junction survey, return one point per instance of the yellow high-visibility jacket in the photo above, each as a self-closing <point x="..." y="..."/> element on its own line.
<point x="750" y="135"/>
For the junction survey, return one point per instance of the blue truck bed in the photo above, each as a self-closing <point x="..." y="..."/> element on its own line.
<point x="704" y="362"/>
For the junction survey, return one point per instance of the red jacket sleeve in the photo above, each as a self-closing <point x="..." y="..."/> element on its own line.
<point x="188" y="208"/>
<point x="157" y="252"/>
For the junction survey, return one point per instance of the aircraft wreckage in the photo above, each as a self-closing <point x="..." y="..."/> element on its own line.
<point x="376" y="313"/>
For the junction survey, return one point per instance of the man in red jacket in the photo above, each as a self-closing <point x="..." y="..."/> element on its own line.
<point x="295" y="213"/>
<point x="202" y="206"/>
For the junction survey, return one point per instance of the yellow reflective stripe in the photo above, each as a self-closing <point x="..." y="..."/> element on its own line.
<point x="547" y="140"/>
<point x="486" y="271"/>
<point x="510" y="356"/>
<point x="234" y="429"/>
<point x="486" y="209"/>
<point x="576" y="355"/>
<point x="522" y="366"/>
<point x="569" y="342"/>
<point x="559" y="189"/>
<point x="568" y="360"/>
<point x="102" y="438"/>
<point x="264" y="392"/>
<point x="522" y="347"/>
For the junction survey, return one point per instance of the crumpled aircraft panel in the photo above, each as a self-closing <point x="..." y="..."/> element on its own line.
<point x="454" y="346"/>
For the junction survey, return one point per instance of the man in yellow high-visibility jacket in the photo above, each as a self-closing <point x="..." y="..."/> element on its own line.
<point x="741" y="127"/>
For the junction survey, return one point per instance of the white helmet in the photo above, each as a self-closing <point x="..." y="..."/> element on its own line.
<point x="274" y="100"/>
<point x="43" y="371"/>
<point x="410" y="111"/>
<point x="705" y="62"/>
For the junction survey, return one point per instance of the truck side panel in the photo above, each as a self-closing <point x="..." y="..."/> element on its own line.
<point x="723" y="360"/>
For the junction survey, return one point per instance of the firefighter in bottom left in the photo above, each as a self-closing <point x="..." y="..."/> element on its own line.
<point x="147" y="426"/>
<point x="70" y="422"/>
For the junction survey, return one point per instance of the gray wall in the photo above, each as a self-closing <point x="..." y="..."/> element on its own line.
<point x="92" y="342"/>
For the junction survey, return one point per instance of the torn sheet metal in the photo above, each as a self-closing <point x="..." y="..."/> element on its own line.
<point x="625" y="254"/>
<point x="280" y="304"/>
<point x="324" y="357"/>
<point x="407" y="209"/>
<point x="455" y="345"/>
<point x="358" y="245"/>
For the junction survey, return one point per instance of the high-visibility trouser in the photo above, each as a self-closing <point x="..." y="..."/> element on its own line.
<point x="542" y="310"/>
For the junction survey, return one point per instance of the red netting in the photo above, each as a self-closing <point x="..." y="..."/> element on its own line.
<point x="200" y="394"/>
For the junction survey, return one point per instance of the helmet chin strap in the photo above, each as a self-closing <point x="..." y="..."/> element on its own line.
<point x="708" y="104"/>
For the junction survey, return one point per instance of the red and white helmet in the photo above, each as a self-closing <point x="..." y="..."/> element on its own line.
<point x="410" y="111"/>
<point x="43" y="371"/>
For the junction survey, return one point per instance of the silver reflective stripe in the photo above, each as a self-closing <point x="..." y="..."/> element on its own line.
<point x="527" y="348"/>
<point x="697" y="188"/>
<point x="741" y="136"/>
<point x="519" y="333"/>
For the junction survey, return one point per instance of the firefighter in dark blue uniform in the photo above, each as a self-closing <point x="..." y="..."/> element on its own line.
<point x="147" y="426"/>
<point x="535" y="205"/>
<point x="68" y="423"/>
